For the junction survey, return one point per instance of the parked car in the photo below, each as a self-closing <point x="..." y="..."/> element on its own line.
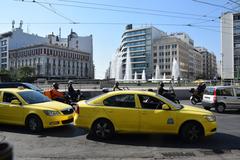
<point x="18" y="84"/>
<point x="32" y="109"/>
<point x="221" y="98"/>
<point x="142" y="112"/>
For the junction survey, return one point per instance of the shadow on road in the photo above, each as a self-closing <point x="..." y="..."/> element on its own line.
<point x="233" y="112"/>
<point x="220" y="141"/>
<point x="63" y="131"/>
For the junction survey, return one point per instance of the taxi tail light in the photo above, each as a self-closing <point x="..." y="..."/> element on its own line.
<point x="77" y="109"/>
<point x="215" y="95"/>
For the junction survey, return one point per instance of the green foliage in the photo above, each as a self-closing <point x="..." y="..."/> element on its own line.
<point x="26" y="74"/>
<point x="23" y="74"/>
<point x="5" y="75"/>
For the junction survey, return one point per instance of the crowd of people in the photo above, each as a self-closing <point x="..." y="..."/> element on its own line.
<point x="75" y="95"/>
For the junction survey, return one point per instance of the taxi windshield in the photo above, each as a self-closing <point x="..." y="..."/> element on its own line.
<point x="32" y="97"/>
<point x="177" y="106"/>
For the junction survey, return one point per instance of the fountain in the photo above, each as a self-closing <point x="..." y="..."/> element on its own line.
<point x="157" y="72"/>
<point x="164" y="75"/>
<point x="128" y="70"/>
<point x="113" y="68"/>
<point x="158" y="76"/>
<point x="118" y="75"/>
<point x="143" y="76"/>
<point x="135" y="77"/>
<point x="175" y="70"/>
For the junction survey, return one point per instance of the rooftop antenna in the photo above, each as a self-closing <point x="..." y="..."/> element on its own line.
<point x="13" y="22"/>
<point x="59" y="32"/>
<point x="21" y="24"/>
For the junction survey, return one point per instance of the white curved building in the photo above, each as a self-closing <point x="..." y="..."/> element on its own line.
<point x="140" y="43"/>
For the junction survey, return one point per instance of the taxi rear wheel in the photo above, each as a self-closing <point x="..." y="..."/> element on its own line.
<point x="102" y="129"/>
<point x="34" y="123"/>
<point x="191" y="132"/>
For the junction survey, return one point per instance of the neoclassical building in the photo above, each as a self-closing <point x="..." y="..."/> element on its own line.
<point x="52" y="61"/>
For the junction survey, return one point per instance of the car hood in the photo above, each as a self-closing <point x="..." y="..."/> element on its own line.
<point x="195" y="110"/>
<point x="52" y="105"/>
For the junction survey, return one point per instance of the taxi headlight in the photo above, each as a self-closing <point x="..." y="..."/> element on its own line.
<point x="51" y="113"/>
<point x="210" y="118"/>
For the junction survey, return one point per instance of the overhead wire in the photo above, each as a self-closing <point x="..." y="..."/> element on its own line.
<point x="107" y="23"/>
<point x="118" y="10"/>
<point x="55" y="12"/>
<point x="134" y="8"/>
<point x="215" y="5"/>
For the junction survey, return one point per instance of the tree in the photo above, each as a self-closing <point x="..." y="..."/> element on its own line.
<point x="26" y="74"/>
<point x="5" y="75"/>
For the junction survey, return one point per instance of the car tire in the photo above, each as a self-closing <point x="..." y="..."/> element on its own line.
<point x="34" y="123"/>
<point x="191" y="132"/>
<point x="102" y="129"/>
<point x="220" y="108"/>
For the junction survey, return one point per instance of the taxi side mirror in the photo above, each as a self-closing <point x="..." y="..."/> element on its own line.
<point x="16" y="102"/>
<point x="165" y="107"/>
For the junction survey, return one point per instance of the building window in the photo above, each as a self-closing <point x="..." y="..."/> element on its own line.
<point x="174" y="45"/>
<point x="4" y="42"/>
<point x="4" y="66"/>
<point x="4" y="54"/>
<point x="4" y="60"/>
<point x="4" y="49"/>
<point x="167" y="46"/>
<point x="161" y="47"/>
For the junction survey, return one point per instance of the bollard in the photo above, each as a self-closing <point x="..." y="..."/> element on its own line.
<point x="6" y="151"/>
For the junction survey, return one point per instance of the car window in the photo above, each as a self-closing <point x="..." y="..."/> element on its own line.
<point x="124" y="100"/>
<point x="225" y="92"/>
<point x="32" y="97"/>
<point x="237" y="90"/>
<point x="8" y="97"/>
<point x="209" y="91"/>
<point x="149" y="102"/>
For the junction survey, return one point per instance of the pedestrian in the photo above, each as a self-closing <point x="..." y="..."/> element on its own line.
<point x="116" y="86"/>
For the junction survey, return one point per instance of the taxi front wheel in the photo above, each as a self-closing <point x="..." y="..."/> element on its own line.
<point x="34" y="123"/>
<point x="191" y="132"/>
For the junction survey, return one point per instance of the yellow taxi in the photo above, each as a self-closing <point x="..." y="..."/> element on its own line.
<point x="32" y="109"/>
<point x="142" y="112"/>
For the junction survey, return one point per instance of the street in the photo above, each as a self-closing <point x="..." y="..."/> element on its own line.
<point x="72" y="143"/>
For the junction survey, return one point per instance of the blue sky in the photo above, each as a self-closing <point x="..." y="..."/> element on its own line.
<point x="106" y="37"/>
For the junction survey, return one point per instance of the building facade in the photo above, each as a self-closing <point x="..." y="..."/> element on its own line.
<point x="16" y="39"/>
<point x="230" y="45"/>
<point x="209" y="63"/>
<point x="189" y="61"/>
<point x="139" y="41"/>
<point x="52" y="61"/>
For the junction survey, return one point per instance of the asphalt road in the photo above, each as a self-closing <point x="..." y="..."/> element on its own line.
<point x="69" y="143"/>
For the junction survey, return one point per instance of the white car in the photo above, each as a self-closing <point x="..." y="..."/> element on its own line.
<point x="221" y="98"/>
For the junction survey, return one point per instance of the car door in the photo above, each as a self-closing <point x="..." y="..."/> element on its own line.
<point x="227" y="97"/>
<point x="11" y="113"/>
<point x="237" y="98"/>
<point x="122" y="112"/>
<point x="152" y="118"/>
